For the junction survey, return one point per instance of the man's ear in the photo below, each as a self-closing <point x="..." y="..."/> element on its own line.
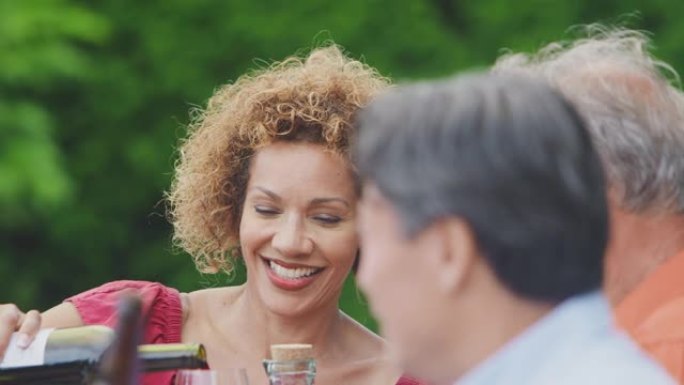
<point x="458" y="256"/>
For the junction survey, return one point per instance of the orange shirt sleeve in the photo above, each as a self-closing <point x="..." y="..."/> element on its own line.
<point x="669" y="354"/>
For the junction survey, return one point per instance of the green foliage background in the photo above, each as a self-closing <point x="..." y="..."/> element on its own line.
<point x="95" y="95"/>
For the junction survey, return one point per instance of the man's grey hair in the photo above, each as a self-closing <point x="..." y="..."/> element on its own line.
<point x="634" y="112"/>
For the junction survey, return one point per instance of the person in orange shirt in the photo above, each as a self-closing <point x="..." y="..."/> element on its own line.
<point x="636" y="117"/>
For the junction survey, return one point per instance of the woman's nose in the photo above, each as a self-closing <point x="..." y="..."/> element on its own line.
<point x="291" y="239"/>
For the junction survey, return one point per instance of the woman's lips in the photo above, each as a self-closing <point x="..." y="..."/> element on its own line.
<point x="290" y="276"/>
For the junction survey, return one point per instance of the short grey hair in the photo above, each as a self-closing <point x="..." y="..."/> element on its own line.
<point x="633" y="106"/>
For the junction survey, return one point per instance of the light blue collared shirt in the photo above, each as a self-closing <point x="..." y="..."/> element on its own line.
<point x="575" y="344"/>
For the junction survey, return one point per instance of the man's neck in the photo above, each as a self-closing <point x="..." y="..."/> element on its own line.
<point x="487" y="324"/>
<point x="639" y="244"/>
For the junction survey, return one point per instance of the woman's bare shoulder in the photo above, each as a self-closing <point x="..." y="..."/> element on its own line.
<point x="204" y="300"/>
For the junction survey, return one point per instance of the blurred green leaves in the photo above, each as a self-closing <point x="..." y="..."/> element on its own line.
<point x="41" y="45"/>
<point x="33" y="176"/>
<point x="39" y="40"/>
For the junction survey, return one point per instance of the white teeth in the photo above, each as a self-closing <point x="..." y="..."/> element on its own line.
<point x="284" y="272"/>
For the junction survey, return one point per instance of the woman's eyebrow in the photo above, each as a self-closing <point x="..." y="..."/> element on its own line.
<point x="318" y="201"/>
<point x="315" y="201"/>
<point x="269" y="193"/>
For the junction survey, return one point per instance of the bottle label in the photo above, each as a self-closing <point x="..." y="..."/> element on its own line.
<point x="31" y="356"/>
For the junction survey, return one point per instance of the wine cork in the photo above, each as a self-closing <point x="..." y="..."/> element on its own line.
<point x="290" y="352"/>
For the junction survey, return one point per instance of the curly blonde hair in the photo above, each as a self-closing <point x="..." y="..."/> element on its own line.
<point x="312" y="99"/>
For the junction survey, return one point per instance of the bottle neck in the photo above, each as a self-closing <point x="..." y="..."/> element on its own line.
<point x="157" y="357"/>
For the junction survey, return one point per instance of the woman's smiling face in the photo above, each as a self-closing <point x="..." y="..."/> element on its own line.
<point x="298" y="227"/>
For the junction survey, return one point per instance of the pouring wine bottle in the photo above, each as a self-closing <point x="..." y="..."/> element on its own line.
<point x="73" y="356"/>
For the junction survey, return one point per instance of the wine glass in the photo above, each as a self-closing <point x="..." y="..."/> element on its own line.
<point x="233" y="376"/>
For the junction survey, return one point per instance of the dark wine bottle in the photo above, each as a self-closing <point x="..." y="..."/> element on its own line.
<point x="72" y="355"/>
<point x="75" y="356"/>
<point x="152" y="358"/>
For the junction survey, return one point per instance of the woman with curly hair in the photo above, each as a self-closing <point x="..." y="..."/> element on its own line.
<point x="264" y="175"/>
